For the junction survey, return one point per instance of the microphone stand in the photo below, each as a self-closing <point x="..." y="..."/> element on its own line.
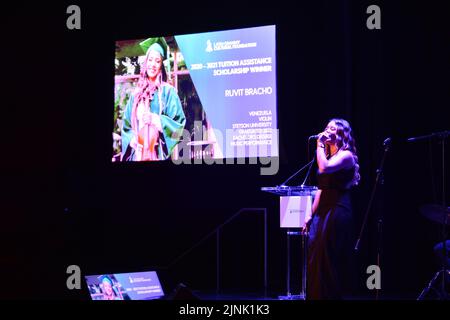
<point x="378" y="180"/>
<point x="442" y="135"/>
<point x="311" y="163"/>
<point x="309" y="170"/>
<point x="302" y="168"/>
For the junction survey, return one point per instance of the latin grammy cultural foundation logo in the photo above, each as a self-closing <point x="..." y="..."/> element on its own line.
<point x="209" y="47"/>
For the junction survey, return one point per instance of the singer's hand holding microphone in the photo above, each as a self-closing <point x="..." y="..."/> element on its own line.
<point x="322" y="138"/>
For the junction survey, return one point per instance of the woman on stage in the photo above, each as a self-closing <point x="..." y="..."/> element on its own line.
<point x="330" y="228"/>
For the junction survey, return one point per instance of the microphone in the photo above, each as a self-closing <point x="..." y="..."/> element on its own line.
<point x="442" y="135"/>
<point x="316" y="136"/>
<point x="387" y="142"/>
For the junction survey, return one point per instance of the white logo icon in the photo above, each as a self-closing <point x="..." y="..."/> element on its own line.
<point x="209" y="46"/>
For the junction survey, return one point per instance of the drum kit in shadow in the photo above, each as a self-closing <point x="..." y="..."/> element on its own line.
<point x="441" y="215"/>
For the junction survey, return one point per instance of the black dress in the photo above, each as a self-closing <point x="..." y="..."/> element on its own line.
<point x="330" y="243"/>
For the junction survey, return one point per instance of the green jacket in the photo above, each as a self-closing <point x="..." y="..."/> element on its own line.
<point x="172" y="117"/>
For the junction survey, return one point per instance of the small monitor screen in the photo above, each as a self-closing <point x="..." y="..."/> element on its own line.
<point x="125" y="286"/>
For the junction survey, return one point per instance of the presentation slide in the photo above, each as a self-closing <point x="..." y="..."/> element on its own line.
<point x="196" y="96"/>
<point x="125" y="286"/>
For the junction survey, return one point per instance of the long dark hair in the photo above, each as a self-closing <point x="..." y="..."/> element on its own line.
<point x="146" y="89"/>
<point x="346" y="141"/>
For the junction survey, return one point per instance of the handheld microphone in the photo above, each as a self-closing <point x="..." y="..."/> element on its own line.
<point x="316" y="136"/>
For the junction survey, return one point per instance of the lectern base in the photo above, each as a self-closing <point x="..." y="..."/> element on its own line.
<point x="293" y="297"/>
